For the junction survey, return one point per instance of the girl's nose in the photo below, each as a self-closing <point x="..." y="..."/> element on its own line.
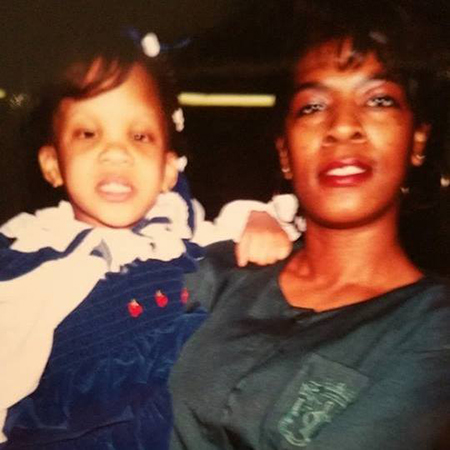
<point x="344" y="126"/>
<point x="115" y="152"/>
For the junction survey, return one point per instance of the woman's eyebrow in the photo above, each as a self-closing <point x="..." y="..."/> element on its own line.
<point x="371" y="78"/>
<point x="308" y="85"/>
<point x="382" y="77"/>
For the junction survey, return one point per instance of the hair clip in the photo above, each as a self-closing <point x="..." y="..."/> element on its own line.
<point x="150" y="45"/>
<point x="181" y="163"/>
<point x="178" y="119"/>
<point x="378" y="37"/>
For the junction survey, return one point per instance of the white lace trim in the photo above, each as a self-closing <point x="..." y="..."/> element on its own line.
<point x="56" y="227"/>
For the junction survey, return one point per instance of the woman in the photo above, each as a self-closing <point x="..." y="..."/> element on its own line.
<point x="346" y="345"/>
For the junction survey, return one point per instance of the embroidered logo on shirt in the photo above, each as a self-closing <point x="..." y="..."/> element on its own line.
<point x="315" y="406"/>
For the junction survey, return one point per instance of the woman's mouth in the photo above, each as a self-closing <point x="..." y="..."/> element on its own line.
<point x="345" y="173"/>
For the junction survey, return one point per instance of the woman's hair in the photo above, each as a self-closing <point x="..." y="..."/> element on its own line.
<point x="114" y="54"/>
<point x="411" y="49"/>
<point x="404" y="42"/>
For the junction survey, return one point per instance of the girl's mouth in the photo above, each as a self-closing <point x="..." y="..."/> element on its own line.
<point x="117" y="190"/>
<point x="345" y="173"/>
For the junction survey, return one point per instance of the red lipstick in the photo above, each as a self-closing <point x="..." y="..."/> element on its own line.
<point x="346" y="172"/>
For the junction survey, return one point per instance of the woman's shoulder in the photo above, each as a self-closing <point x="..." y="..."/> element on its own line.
<point x="432" y="293"/>
<point x="221" y="255"/>
<point x="426" y="312"/>
<point x="219" y="274"/>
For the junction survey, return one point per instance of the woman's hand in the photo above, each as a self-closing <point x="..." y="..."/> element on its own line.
<point x="263" y="241"/>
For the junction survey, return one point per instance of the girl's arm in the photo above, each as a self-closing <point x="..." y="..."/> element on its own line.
<point x="263" y="232"/>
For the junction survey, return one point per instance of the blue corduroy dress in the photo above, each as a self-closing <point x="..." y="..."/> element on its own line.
<point x="105" y="384"/>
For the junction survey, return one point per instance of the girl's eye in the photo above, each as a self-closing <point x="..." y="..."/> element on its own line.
<point x="141" y="137"/>
<point x="382" y="101"/>
<point x="85" y="134"/>
<point x="310" y="108"/>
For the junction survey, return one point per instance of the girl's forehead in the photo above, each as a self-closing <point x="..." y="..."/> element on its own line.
<point x="138" y="89"/>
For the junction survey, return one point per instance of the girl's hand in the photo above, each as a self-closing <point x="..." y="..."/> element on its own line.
<point x="263" y="241"/>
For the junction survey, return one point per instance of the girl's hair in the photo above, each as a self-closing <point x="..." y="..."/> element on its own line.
<point x="114" y="54"/>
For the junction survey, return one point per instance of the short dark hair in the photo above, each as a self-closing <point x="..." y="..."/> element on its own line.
<point x="404" y="39"/>
<point x="115" y="52"/>
<point x="401" y="39"/>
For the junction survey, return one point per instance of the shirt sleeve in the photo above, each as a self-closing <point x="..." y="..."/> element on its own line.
<point x="207" y="282"/>
<point x="31" y="307"/>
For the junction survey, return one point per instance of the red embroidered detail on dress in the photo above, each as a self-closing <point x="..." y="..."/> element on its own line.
<point x="184" y="295"/>
<point x="161" y="299"/>
<point x="135" y="309"/>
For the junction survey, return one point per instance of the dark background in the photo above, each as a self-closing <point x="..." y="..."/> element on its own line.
<point x="216" y="46"/>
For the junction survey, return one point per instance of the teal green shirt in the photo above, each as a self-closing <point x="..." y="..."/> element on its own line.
<point x="261" y="374"/>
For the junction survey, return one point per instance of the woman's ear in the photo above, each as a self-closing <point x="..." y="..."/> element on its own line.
<point x="170" y="176"/>
<point x="283" y="156"/>
<point x="420" y="140"/>
<point x="48" y="162"/>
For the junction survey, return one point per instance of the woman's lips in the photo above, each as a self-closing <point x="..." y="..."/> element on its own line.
<point x="115" y="190"/>
<point x="345" y="173"/>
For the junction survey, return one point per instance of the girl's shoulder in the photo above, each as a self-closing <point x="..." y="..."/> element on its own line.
<point x="53" y="227"/>
<point x="29" y="240"/>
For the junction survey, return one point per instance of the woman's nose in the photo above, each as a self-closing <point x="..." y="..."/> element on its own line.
<point x="115" y="152"/>
<point x="345" y="126"/>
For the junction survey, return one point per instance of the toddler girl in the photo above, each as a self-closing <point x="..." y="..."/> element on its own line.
<point x="93" y="301"/>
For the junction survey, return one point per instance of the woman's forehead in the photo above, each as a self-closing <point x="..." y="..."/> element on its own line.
<point x="338" y="57"/>
<point x="337" y="53"/>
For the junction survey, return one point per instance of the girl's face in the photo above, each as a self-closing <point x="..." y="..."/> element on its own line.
<point x="110" y="152"/>
<point x="349" y="137"/>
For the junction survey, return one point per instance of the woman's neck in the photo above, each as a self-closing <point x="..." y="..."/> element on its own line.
<point x="347" y="265"/>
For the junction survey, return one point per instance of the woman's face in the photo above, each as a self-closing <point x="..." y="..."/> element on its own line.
<point x="349" y="137"/>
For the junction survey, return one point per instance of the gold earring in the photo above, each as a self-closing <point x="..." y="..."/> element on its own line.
<point x="419" y="157"/>
<point x="287" y="174"/>
<point x="284" y="163"/>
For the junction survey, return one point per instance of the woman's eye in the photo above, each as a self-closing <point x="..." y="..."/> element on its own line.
<point x="310" y="108"/>
<point x="382" y="101"/>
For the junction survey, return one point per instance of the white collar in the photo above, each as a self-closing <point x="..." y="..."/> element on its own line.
<point x="165" y="225"/>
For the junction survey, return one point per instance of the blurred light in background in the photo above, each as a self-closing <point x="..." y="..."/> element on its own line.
<point x="236" y="100"/>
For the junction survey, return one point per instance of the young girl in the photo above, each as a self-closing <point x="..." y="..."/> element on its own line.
<point x="93" y="300"/>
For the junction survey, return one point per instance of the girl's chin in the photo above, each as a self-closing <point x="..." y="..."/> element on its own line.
<point x="111" y="220"/>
